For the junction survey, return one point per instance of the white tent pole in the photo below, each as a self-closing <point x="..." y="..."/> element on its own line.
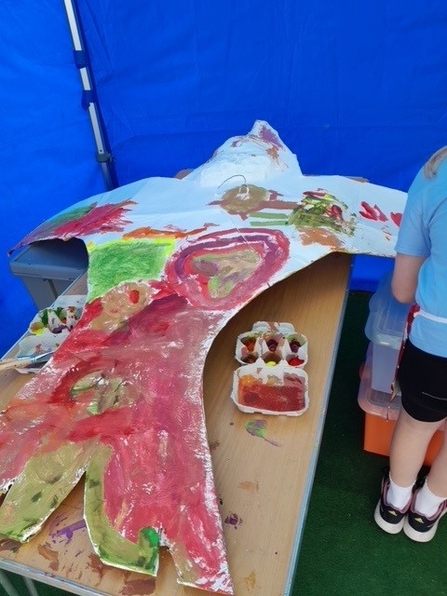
<point x="103" y="156"/>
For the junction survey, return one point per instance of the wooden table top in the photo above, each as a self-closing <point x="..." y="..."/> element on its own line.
<point x="264" y="483"/>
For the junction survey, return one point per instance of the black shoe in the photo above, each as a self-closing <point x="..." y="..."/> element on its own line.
<point x="389" y="518"/>
<point x="421" y="528"/>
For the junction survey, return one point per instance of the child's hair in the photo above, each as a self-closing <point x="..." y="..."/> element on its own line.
<point x="431" y="167"/>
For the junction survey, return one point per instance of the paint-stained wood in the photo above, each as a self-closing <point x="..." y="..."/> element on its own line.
<point x="263" y="482"/>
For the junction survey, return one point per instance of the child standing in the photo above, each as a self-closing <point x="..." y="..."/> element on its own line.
<point x="420" y="278"/>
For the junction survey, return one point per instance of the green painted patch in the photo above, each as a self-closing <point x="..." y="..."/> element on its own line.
<point x="35" y="494"/>
<point x="113" y="263"/>
<point x="111" y="547"/>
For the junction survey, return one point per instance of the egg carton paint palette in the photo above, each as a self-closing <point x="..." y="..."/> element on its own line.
<point x="272" y="379"/>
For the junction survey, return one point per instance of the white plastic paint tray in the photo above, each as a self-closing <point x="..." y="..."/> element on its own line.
<point x="33" y="345"/>
<point x="62" y="315"/>
<point x="271" y="379"/>
<point x="50" y="328"/>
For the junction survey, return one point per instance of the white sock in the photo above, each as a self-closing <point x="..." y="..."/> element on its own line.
<point x="426" y="502"/>
<point x="398" y="496"/>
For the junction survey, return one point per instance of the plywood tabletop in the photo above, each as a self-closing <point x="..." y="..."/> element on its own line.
<point x="263" y="482"/>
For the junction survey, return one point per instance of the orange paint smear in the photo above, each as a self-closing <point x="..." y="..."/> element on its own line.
<point x="319" y="236"/>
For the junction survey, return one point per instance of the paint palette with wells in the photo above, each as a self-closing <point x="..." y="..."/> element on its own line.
<point x="272" y="379"/>
<point x="49" y="328"/>
<point x="272" y="344"/>
<point x="60" y="317"/>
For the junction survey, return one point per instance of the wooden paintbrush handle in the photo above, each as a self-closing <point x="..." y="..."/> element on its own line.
<point x="10" y="363"/>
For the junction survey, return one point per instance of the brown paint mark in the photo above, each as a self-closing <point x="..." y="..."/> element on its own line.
<point x="320" y="236"/>
<point x="214" y="445"/>
<point x="50" y="555"/>
<point x="387" y="233"/>
<point x="250" y="581"/>
<point x="252" y="487"/>
<point x="138" y="586"/>
<point x="95" y="564"/>
<point x="57" y="521"/>
<point x="11" y="545"/>
<point x="182" y="173"/>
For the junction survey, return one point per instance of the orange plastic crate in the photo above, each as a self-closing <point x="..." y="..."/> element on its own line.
<point x="378" y="433"/>
<point x="380" y="417"/>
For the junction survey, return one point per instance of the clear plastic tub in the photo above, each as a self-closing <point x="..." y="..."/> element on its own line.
<point x="384" y="328"/>
<point x="373" y="401"/>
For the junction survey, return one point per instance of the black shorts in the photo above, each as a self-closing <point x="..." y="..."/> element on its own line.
<point x="423" y="382"/>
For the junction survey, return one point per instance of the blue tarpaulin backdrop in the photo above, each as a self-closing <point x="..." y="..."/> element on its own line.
<point x="353" y="88"/>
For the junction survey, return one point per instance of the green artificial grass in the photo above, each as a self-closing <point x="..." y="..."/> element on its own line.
<point x="343" y="551"/>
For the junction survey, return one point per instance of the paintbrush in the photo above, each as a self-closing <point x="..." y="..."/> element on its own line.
<point x="24" y="361"/>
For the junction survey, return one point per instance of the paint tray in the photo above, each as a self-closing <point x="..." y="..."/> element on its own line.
<point x="280" y="390"/>
<point x="272" y="379"/>
<point x="33" y="345"/>
<point x="61" y="316"/>
<point x="272" y="344"/>
<point x="49" y="328"/>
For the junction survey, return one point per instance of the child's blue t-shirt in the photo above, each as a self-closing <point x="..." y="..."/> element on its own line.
<point x="423" y="233"/>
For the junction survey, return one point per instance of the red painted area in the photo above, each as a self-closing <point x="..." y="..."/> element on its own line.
<point x="396" y="218"/>
<point x="373" y="213"/>
<point x="269" y="251"/>
<point x="288" y="396"/>
<point x="295" y="361"/>
<point x="91" y="219"/>
<point x="134" y="390"/>
<point x="267" y="135"/>
<point x="134" y="296"/>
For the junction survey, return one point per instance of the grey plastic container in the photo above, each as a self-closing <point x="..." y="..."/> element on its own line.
<point x="48" y="267"/>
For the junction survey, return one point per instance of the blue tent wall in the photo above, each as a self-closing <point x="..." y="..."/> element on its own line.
<point x="353" y="89"/>
<point x="46" y="151"/>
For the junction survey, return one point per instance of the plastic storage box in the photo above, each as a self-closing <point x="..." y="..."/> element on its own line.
<point x="381" y="414"/>
<point x="384" y="328"/>
<point x="48" y="267"/>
